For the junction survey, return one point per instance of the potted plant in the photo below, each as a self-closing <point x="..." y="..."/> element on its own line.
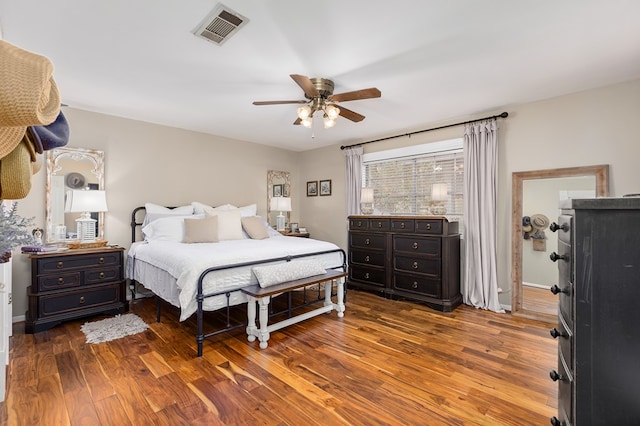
<point x="13" y="230"/>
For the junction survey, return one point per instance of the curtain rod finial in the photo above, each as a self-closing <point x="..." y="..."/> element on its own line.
<point x="504" y="115"/>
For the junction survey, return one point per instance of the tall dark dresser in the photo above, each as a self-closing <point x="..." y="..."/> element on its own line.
<point x="598" y="330"/>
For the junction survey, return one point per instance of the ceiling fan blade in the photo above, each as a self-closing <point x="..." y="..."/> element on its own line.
<point x="307" y="86"/>
<point x="279" y="102"/>
<point x="350" y="115"/>
<point x="369" y="93"/>
<point x="297" y="122"/>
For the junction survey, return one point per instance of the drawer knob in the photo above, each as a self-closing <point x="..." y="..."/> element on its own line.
<point x="59" y="265"/>
<point x="367" y="242"/>
<point x="554" y="227"/>
<point x="555" y="376"/>
<point x="415" y="245"/>
<point x="402" y="225"/>
<point x="379" y="224"/>
<point x="555" y="333"/>
<point x="428" y="226"/>
<point x="555" y="257"/>
<point x="415" y="265"/>
<point x="60" y="280"/>
<point x="101" y="260"/>
<point x="366" y="275"/>
<point x="556" y="422"/>
<point x="81" y="299"/>
<point x="359" y="223"/>
<point x="366" y="258"/>
<point x="101" y="275"/>
<point x="555" y="290"/>
<point x="415" y="284"/>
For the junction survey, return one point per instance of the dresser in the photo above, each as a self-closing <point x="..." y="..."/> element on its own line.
<point x="73" y="284"/>
<point x="412" y="257"/>
<point x="598" y="329"/>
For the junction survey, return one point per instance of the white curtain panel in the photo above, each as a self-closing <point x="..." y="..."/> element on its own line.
<point x="353" y="157"/>
<point x="480" y="284"/>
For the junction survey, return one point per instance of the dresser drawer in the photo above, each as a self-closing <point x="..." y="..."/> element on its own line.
<point x="82" y="261"/>
<point x="369" y="241"/>
<point x="564" y="234"/>
<point x="379" y="225"/>
<point x="419" y="285"/>
<point x="359" y="224"/>
<point x="565" y="339"/>
<point x="565" y="391"/>
<point x="367" y="275"/>
<point x="426" y="246"/>
<point x="420" y="265"/>
<point x="101" y="275"/>
<point x="402" y="225"/>
<point x="429" y="226"/>
<point x="58" y="281"/>
<point x="74" y="300"/>
<point x="367" y="257"/>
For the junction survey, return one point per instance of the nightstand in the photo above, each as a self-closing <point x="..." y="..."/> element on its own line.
<point x="73" y="284"/>
<point x="295" y="234"/>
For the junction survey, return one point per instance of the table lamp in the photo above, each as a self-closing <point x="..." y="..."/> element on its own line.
<point x="439" y="195"/>
<point x="366" y="200"/>
<point x="86" y="202"/>
<point x="281" y="204"/>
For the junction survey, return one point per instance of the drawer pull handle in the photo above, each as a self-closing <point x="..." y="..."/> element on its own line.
<point x="555" y="257"/>
<point x="555" y="290"/>
<point x="359" y="223"/>
<point x="379" y="224"/>
<point x="554" y="227"/>
<point x="366" y="275"/>
<point x="101" y="275"/>
<point x="60" y="280"/>
<point x="366" y="258"/>
<point x="81" y="299"/>
<point x="101" y="260"/>
<point x="555" y="376"/>
<point x="555" y="333"/>
<point x="414" y="285"/>
<point x="428" y="227"/>
<point x="59" y="265"/>
<point x="402" y="225"/>
<point x="556" y="422"/>
<point x="415" y="265"/>
<point x="415" y="246"/>
<point x="367" y="242"/>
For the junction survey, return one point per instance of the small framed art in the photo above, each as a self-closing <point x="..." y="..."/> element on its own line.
<point x="312" y="188"/>
<point x="277" y="190"/>
<point x="325" y="187"/>
<point x="293" y="227"/>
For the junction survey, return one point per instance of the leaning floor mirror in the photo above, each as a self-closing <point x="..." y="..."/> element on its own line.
<point x="71" y="169"/>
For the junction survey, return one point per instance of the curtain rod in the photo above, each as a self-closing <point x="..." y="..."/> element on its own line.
<point x="503" y="115"/>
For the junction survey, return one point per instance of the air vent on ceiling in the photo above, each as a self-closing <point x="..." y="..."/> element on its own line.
<point x="220" y="24"/>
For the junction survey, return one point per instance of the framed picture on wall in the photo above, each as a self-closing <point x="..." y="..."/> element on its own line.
<point x="277" y="190"/>
<point x="312" y="188"/>
<point x="325" y="187"/>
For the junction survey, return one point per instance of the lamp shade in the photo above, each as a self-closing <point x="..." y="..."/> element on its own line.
<point x="366" y="195"/>
<point x="280" y="204"/>
<point x="439" y="192"/>
<point x="86" y="201"/>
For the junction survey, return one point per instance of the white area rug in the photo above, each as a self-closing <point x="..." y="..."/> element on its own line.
<point x="113" y="328"/>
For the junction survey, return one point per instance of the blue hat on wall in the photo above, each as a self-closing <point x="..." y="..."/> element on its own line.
<point x="52" y="136"/>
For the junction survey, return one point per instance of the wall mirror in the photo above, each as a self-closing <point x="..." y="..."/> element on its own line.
<point x="71" y="169"/>
<point x="538" y="192"/>
<point x="278" y="184"/>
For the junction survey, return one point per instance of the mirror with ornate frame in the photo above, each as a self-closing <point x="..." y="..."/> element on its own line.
<point x="71" y="169"/>
<point x="539" y="192"/>
<point x="278" y="184"/>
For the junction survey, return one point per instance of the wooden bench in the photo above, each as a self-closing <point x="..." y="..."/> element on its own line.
<point x="262" y="296"/>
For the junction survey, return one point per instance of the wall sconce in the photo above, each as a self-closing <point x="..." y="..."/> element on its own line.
<point x="439" y="196"/>
<point x="281" y="204"/>
<point x="366" y="200"/>
<point x="86" y="202"/>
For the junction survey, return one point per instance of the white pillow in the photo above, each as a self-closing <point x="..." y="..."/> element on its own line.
<point x="155" y="212"/>
<point x="250" y="210"/>
<point x="288" y="271"/>
<point x="165" y="229"/>
<point x="199" y="208"/>
<point x="229" y="224"/>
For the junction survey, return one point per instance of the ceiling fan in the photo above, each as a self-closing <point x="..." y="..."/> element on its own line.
<point x="319" y="97"/>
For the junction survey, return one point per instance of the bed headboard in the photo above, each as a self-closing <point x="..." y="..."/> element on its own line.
<point x="134" y="220"/>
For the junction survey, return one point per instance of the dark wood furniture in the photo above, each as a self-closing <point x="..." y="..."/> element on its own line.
<point x="598" y="328"/>
<point x="295" y="234"/>
<point x="73" y="284"/>
<point x="413" y="257"/>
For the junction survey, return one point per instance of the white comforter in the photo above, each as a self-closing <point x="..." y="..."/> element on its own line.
<point x="186" y="262"/>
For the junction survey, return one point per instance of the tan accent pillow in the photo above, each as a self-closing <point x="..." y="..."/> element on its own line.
<point x="229" y="224"/>
<point x="201" y="230"/>
<point x="254" y="226"/>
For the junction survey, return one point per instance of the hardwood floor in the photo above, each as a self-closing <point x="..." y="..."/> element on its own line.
<point x="539" y="300"/>
<point x="385" y="363"/>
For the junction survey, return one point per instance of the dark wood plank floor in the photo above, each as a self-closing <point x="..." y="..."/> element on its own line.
<point x="386" y="362"/>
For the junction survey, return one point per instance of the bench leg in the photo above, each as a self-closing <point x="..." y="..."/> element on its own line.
<point x="263" y="335"/>
<point x="252" y="330"/>
<point x="340" y="305"/>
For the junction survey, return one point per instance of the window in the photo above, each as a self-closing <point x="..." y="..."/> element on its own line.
<point x="402" y="178"/>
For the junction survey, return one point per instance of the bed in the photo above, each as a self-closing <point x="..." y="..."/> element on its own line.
<point x="209" y="275"/>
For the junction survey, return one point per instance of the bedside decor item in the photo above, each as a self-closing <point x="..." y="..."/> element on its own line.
<point x="325" y="187"/>
<point x="13" y="230"/>
<point x="439" y="196"/>
<point x="293" y="227"/>
<point x="114" y="328"/>
<point x="281" y="204"/>
<point x="86" y="202"/>
<point x="366" y="200"/>
<point x="312" y="188"/>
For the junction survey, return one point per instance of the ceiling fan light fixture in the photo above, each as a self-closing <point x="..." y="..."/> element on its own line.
<point x="328" y="121"/>
<point x="332" y="111"/>
<point x="307" y="122"/>
<point x="304" y="112"/>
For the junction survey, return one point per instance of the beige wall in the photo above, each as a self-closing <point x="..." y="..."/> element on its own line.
<point x="146" y="162"/>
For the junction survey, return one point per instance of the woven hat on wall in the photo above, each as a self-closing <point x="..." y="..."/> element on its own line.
<point x="539" y="222"/>
<point x="29" y="95"/>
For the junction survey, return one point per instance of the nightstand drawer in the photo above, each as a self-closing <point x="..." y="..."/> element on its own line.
<point x="58" y="281"/>
<point x="426" y="246"/>
<point x="369" y="241"/>
<point x="419" y="265"/>
<point x="367" y="275"/>
<point x="425" y="286"/>
<point x="367" y="257"/>
<point x="81" y="261"/>
<point x="69" y="301"/>
<point x="101" y="275"/>
<point x="402" y="225"/>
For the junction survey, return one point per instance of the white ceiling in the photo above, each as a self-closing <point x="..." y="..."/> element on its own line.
<point x="433" y="60"/>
